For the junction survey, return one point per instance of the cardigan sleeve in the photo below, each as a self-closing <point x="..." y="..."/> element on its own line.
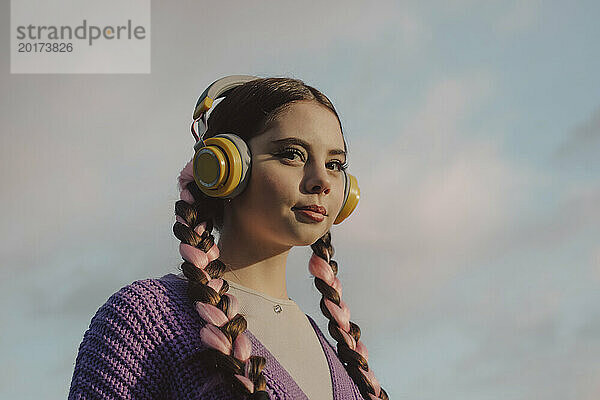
<point x="119" y="356"/>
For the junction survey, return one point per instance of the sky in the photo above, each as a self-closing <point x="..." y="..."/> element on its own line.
<point x="472" y="263"/>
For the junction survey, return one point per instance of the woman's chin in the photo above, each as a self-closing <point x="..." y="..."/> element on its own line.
<point x="306" y="236"/>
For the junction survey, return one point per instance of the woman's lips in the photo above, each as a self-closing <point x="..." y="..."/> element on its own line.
<point x="317" y="217"/>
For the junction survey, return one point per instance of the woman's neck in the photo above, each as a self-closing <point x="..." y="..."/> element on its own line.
<point x="254" y="266"/>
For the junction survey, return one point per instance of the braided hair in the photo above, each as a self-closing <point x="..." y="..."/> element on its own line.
<point x="248" y="111"/>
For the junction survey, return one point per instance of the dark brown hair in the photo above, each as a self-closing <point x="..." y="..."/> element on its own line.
<point x="248" y="111"/>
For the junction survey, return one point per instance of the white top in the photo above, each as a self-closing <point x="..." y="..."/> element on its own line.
<point x="282" y="327"/>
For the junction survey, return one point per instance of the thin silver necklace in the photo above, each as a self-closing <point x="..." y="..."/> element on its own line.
<point x="276" y="308"/>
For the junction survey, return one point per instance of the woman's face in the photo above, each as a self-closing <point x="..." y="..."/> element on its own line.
<point x="287" y="174"/>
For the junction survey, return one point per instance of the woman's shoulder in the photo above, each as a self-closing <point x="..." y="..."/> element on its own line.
<point x="152" y="311"/>
<point x="150" y="293"/>
<point x="155" y="309"/>
<point x="138" y="341"/>
<point x="165" y="287"/>
<point x="149" y="301"/>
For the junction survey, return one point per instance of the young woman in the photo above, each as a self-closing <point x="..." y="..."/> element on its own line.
<point x="268" y="174"/>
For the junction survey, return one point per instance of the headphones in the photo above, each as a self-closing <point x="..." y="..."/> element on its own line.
<point x="222" y="163"/>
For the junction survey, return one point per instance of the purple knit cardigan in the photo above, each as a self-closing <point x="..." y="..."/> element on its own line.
<point x="138" y="340"/>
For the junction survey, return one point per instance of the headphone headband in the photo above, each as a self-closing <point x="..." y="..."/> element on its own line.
<point x="217" y="89"/>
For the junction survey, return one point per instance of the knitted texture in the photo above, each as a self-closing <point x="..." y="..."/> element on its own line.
<point x="141" y="342"/>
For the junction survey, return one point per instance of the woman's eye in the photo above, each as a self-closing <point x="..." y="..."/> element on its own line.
<point x="340" y="166"/>
<point x="290" y="153"/>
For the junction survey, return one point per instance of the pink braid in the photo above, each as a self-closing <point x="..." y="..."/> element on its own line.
<point x="210" y="334"/>
<point x="321" y="269"/>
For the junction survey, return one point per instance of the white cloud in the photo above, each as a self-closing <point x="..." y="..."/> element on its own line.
<point x="437" y="187"/>
<point x="582" y="144"/>
<point x="587" y="384"/>
<point x="275" y="29"/>
<point x="596" y="264"/>
<point x="520" y="16"/>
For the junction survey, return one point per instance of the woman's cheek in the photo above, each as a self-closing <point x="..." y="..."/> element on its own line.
<point x="276" y="181"/>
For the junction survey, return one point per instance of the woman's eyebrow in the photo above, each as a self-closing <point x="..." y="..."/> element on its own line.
<point x="305" y="144"/>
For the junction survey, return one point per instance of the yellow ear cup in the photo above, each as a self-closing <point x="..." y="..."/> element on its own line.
<point x="217" y="167"/>
<point x="210" y="167"/>
<point x="351" y="201"/>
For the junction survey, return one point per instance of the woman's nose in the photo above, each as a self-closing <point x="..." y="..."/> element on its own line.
<point x="318" y="180"/>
